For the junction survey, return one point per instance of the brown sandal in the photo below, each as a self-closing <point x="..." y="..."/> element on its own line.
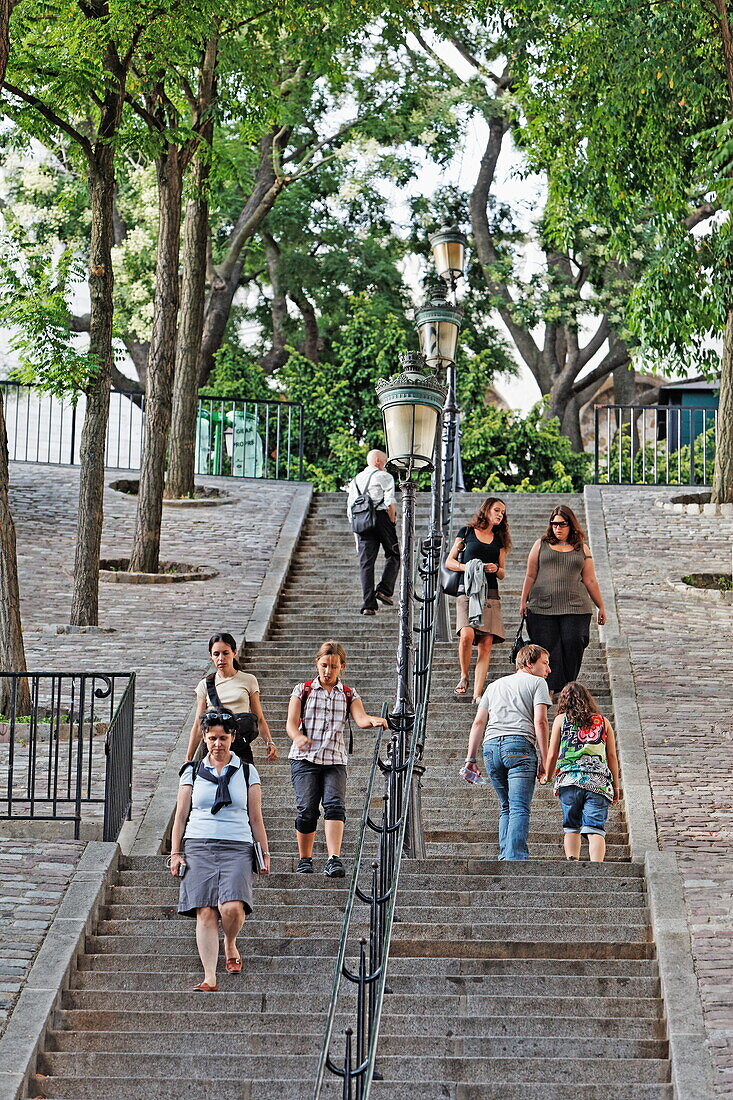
<point x="461" y="687"/>
<point x="234" y="966"/>
<point x="204" y="987"/>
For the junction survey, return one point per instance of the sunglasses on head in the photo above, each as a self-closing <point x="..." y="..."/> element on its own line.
<point x="217" y="718"/>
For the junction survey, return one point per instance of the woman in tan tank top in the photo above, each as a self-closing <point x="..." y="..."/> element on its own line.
<point x="559" y="591"/>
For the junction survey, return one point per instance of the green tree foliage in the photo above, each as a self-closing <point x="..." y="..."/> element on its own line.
<point x="640" y="136"/>
<point x="505" y="452"/>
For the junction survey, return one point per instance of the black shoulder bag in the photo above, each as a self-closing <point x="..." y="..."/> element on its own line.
<point x="247" y="727"/>
<point x="451" y="581"/>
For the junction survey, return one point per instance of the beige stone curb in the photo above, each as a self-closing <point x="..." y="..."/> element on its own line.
<point x="676" y="582"/>
<point x="53" y="965"/>
<point x="692" y="1071"/>
<point x="272" y="586"/>
<point x="694" y="504"/>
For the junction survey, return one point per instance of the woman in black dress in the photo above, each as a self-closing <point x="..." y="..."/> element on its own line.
<point x="485" y="538"/>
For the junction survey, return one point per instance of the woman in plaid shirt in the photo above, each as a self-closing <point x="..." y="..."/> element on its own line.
<point x="318" y="755"/>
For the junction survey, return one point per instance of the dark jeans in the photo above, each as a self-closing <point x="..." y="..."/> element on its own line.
<point x="384" y="535"/>
<point x="315" y="784"/>
<point x="565" y="637"/>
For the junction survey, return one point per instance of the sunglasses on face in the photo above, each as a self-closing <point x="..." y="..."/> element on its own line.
<point x="559" y="523"/>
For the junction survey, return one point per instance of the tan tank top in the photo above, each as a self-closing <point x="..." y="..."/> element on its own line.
<point x="558" y="589"/>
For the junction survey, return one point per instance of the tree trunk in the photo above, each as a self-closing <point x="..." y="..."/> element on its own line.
<point x="6" y="7"/>
<point x="228" y="275"/>
<point x="158" y="391"/>
<point x="722" y="491"/>
<point x="85" y="594"/>
<point x="12" y="651"/>
<point x="182" y="461"/>
<point x="180" y="480"/>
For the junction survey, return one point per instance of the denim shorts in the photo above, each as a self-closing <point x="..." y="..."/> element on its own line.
<point x="583" y="811"/>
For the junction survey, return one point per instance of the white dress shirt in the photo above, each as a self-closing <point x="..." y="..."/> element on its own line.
<point x="381" y="488"/>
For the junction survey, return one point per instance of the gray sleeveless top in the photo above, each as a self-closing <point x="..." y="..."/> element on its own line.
<point x="558" y="589"/>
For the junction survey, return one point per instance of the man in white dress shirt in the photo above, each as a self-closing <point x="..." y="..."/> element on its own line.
<point x="379" y="484"/>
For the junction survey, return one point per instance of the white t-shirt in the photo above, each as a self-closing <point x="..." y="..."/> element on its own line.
<point x="234" y="691"/>
<point x="231" y="822"/>
<point x="510" y="702"/>
<point x="380" y="484"/>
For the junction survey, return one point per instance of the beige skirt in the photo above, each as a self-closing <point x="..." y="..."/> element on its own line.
<point x="491" y="620"/>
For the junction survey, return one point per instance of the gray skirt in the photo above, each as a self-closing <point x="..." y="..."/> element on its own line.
<point x="217" y="871"/>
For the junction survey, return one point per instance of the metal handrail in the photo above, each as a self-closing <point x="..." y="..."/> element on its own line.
<point x="359" y="1066"/>
<point x="69" y="738"/>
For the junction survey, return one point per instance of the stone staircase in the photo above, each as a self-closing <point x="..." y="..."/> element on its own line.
<point x="509" y="980"/>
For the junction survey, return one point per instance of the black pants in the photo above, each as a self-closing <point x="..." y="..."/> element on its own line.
<point x="384" y="535"/>
<point x="565" y="637"/>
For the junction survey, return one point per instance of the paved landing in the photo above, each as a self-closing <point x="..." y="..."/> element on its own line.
<point x="682" y="659"/>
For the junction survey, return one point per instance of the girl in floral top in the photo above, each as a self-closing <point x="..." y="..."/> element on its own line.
<point x="582" y="755"/>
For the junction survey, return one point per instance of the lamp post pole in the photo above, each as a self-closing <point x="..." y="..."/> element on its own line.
<point x="411" y="404"/>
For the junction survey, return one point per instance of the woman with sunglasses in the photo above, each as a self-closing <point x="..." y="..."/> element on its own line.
<point x="559" y="591"/>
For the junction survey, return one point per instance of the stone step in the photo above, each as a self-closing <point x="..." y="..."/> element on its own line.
<point x="278" y="1045"/>
<point x="626" y="899"/>
<point x="629" y="970"/>
<point x="185" y="973"/>
<point x="211" y="1067"/>
<point x="466" y="916"/>
<point x="528" y="870"/>
<point x="95" y="1088"/>
<point x="447" y="947"/>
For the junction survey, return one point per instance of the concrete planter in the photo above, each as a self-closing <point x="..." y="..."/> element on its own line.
<point x="63" y="731"/>
<point x="694" y="504"/>
<point x="173" y="572"/>
<point x="716" y="594"/>
<point x="208" y="497"/>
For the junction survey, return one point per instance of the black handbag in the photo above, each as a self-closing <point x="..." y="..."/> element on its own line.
<point x="451" y="582"/>
<point x="519" y="642"/>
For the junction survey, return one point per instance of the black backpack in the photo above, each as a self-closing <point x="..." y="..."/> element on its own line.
<point x="364" y="510"/>
<point x="246" y="726"/>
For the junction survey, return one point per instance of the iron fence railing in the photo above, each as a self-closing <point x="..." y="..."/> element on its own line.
<point x="654" y="444"/>
<point x="234" y="437"/>
<point x="118" y="748"/>
<point x="65" y="743"/>
<point x="378" y="857"/>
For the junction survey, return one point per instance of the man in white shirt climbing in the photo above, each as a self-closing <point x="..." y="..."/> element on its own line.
<point x="374" y="481"/>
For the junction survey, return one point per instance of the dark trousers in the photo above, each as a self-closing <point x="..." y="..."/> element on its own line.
<point x="316" y="785"/>
<point x="565" y="637"/>
<point x="384" y="535"/>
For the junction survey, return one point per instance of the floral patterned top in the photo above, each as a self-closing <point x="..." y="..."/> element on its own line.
<point x="582" y="760"/>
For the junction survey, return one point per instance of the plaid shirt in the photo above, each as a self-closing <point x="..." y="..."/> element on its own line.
<point x="324" y="721"/>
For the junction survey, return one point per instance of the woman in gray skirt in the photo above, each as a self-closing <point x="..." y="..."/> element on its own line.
<point x="218" y="817"/>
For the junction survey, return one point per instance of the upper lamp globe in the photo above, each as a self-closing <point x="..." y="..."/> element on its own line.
<point x="411" y="404"/>
<point x="438" y="325"/>
<point x="449" y="252"/>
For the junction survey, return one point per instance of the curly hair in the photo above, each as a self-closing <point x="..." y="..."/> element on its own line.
<point x="576" y="534"/>
<point x="482" y="522"/>
<point x="577" y="704"/>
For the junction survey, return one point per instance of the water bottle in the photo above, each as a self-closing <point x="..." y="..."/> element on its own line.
<point x="472" y="777"/>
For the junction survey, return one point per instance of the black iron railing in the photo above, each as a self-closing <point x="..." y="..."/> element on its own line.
<point x="359" y="989"/>
<point x="118" y="768"/>
<point x="654" y="444"/>
<point x="234" y="437"/>
<point x="65" y="742"/>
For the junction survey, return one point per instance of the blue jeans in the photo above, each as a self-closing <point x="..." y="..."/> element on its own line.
<point x="583" y="811"/>
<point x="511" y="765"/>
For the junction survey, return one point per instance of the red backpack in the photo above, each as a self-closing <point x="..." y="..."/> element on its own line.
<point x="348" y="694"/>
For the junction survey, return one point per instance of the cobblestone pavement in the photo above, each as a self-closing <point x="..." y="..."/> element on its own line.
<point x="159" y="631"/>
<point x="682" y="659"/>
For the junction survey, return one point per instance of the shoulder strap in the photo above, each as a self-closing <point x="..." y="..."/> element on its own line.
<point x="371" y="475"/>
<point x="245" y="769"/>
<point x="212" y="692"/>
<point x="307" y="689"/>
<point x="349" y="696"/>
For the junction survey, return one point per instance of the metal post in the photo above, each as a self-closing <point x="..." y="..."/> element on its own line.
<point x="449" y="439"/>
<point x="403" y="700"/>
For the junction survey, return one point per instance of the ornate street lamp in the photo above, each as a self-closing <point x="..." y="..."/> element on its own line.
<point x="411" y="403"/>
<point x="449" y="252"/>
<point x="438" y="325"/>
